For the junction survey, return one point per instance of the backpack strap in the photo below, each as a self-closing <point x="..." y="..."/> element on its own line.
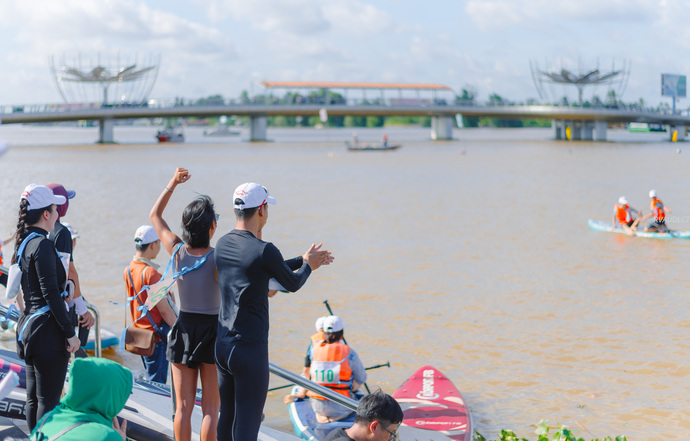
<point x="144" y="309"/>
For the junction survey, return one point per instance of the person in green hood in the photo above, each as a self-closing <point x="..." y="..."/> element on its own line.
<point x="98" y="390"/>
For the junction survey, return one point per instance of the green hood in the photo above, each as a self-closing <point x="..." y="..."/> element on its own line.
<point x="98" y="389"/>
<point x="97" y="385"/>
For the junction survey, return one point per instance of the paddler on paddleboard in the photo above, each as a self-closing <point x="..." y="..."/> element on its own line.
<point x="659" y="211"/>
<point x="625" y="216"/>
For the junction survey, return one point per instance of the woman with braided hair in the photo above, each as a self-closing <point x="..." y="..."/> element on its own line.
<point x="45" y="335"/>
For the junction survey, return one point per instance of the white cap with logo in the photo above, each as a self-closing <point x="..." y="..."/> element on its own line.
<point x="622" y="200"/>
<point x="145" y="234"/>
<point x="251" y="195"/>
<point x="333" y="323"/>
<point x="40" y="196"/>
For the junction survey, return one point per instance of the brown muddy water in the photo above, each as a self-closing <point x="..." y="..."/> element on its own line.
<point x="472" y="255"/>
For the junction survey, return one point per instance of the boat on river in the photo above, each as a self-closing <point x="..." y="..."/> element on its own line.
<point x="609" y="228"/>
<point x="433" y="410"/>
<point x="360" y="146"/>
<point x="170" y="134"/>
<point x="221" y="131"/>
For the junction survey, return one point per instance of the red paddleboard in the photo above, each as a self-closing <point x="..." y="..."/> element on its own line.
<point x="433" y="408"/>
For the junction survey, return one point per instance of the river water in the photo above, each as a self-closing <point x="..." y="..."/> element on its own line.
<point x="471" y="255"/>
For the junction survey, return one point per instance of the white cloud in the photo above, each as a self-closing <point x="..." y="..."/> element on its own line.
<point x="497" y="14"/>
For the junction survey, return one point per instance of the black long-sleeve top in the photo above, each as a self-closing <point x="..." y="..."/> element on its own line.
<point x="245" y="264"/>
<point x="43" y="277"/>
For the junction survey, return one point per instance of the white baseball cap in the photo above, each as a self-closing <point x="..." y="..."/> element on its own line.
<point x="652" y="193"/>
<point x="332" y="323"/>
<point x="319" y="323"/>
<point x="251" y="195"/>
<point x="622" y="200"/>
<point x="145" y="234"/>
<point x="40" y="196"/>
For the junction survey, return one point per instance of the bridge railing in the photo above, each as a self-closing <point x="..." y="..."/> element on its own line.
<point x="298" y="100"/>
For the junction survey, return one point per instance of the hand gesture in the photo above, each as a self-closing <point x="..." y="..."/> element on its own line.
<point x="314" y="257"/>
<point x="181" y="175"/>
<point x="120" y="428"/>
<point x="73" y="344"/>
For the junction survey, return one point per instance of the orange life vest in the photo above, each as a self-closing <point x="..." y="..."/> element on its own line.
<point x="658" y="210"/>
<point x="316" y="339"/>
<point x="623" y="213"/>
<point x="330" y="367"/>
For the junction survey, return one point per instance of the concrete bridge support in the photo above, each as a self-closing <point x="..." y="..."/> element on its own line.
<point x="105" y="131"/>
<point x="679" y="129"/>
<point x="600" y="130"/>
<point x="558" y="126"/>
<point x="441" y="127"/>
<point x="587" y="130"/>
<point x="257" y="128"/>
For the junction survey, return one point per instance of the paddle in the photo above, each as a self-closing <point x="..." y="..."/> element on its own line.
<point x="330" y="311"/>
<point x="285" y="386"/>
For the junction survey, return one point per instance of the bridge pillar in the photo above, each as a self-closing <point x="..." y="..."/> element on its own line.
<point x="600" y="130"/>
<point x="257" y="128"/>
<point x="558" y="126"/>
<point x="105" y="131"/>
<point x="441" y="127"/>
<point x="587" y="130"/>
<point x="575" y="130"/>
<point x="679" y="129"/>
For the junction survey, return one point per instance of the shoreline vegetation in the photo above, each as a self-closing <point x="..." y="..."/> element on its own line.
<point x="561" y="433"/>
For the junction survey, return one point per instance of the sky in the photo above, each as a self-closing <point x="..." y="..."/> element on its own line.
<point x="209" y="47"/>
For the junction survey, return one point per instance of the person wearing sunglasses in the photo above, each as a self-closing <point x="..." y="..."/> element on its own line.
<point x="378" y="418"/>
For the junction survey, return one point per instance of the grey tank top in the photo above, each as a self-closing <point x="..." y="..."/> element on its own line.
<point x="198" y="290"/>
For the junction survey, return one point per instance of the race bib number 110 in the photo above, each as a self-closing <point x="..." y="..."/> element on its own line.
<point x="325" y="372"/>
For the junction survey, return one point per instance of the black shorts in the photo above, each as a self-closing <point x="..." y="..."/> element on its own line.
<point x="630" y="223"/>
<point x="192" y="339"/>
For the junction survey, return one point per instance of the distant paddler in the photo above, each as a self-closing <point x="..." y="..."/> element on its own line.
<point x="625" y="216"/>
<point x="659" y="211"/>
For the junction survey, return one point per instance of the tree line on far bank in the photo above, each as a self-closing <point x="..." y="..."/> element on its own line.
<point x="467" y="97"/>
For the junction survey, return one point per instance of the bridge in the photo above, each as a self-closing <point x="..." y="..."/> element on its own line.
<point x="584" y="123"/>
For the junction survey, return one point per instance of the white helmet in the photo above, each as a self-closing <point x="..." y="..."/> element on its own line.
<point x="622" y="200"/>
<point x="652" y="193"/>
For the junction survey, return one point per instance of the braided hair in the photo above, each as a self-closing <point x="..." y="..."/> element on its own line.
<point x="26" y="219"/>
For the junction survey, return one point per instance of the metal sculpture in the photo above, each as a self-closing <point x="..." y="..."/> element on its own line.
<point x="616" y="79"/>
<point x="130" y="81"/>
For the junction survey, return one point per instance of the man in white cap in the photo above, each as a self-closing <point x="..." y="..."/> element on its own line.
<point x="140" y="272"/>
<point x="625" y="216"/>
<point x="245" y="264"/>
<point x="659" y="211"/>
<point x="336" y="366"/>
